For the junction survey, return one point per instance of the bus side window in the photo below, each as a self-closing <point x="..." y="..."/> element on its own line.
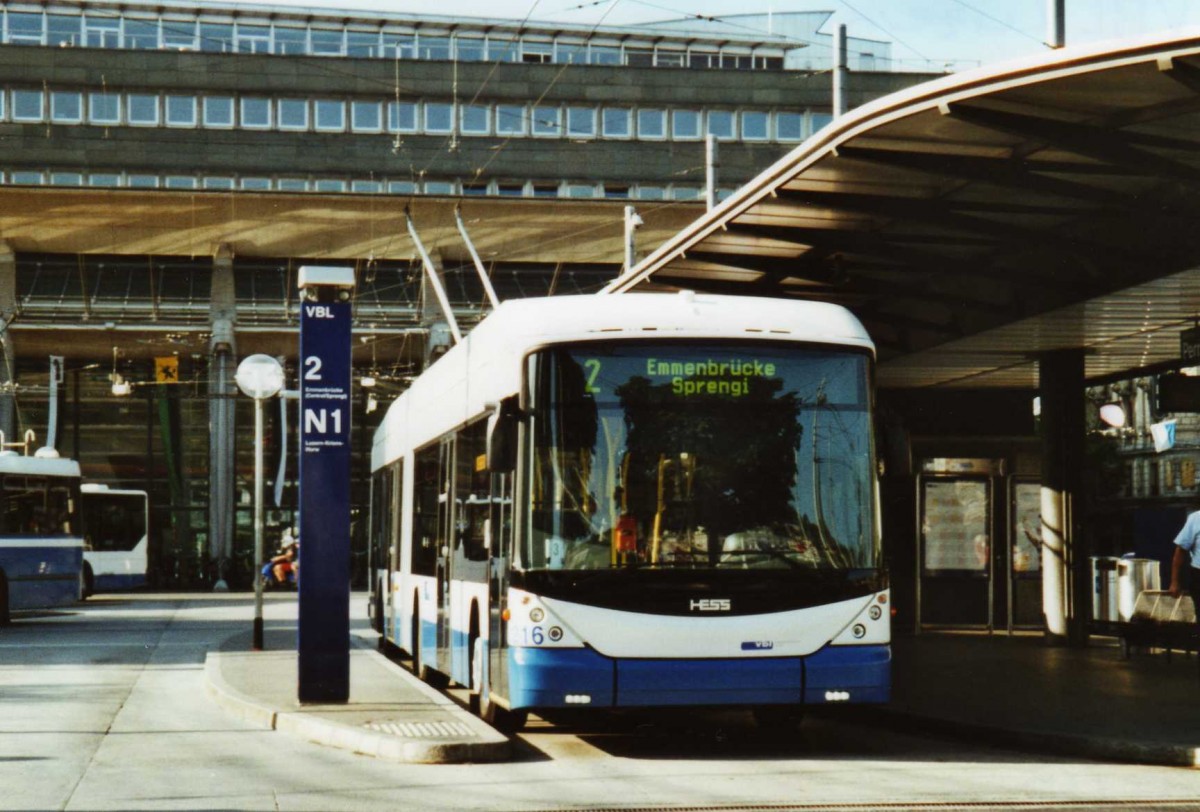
<point x="472" y="489"/>
<point x="425" y="512"/>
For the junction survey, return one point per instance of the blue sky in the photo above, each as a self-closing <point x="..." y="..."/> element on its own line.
<point x="965" y="31"/>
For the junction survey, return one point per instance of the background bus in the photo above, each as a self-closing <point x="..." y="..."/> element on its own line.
<point x="638" y="500"/>
<point x="41" y="547"/>
<point x="116" y="532"/>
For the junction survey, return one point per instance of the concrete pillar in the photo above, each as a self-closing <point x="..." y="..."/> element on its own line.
<point x="1064" y="553"/>
<point x="222" y="364"/>
<point x="8" y="311"/>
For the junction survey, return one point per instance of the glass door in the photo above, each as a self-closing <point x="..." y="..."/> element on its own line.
<point x="955" y="549"/>
<point x="1025" y="555"/>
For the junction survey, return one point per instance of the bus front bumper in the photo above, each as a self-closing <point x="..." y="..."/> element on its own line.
<point x="581" y="677"/>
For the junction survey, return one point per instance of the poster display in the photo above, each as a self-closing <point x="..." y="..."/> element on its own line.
<point x="1027" y="527"/>
<point x="954" y="526"/>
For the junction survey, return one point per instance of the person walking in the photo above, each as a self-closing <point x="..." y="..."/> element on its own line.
<point x="1187" y="554"/>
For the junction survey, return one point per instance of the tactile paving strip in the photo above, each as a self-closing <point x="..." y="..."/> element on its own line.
<point x="423" y="730"/>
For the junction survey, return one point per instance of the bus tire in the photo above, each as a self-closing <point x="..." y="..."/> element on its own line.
<point x="87" y="582"/>
<point x="5" y="615"/>
<point x="377" y="611"/>
<point x="504" y="720"/>
<point x="476" y="653"/>
<point x="777" y="719"/>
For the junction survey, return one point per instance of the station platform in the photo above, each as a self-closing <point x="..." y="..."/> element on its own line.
<point x="391" y="714"/>
<point x="1007" y="690"/>
<point x="1019" y="691"/>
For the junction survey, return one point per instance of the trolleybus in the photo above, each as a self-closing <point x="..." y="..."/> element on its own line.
<point x="116" y="536"/>
<point x="41" y="548"/>
<point x="638" y="500"/>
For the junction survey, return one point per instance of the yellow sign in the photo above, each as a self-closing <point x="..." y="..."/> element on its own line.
<point x="166" y="370"/>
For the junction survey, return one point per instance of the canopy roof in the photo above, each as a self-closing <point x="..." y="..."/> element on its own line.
<point x="975" y="221"/>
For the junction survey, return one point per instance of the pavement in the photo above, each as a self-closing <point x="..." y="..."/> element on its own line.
<point x="390" y="714"/>
<point x="1020" y="691"/>
<point x="1010" y="690"/>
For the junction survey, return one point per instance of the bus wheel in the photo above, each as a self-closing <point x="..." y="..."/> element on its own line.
<point x="506" y="721"/>
<point x="87" y="582"/>
<point x="5" y="617"/>
<point x="377" y="611"/>
<point x="476" y="670"/>
<point x="778" y="719"/>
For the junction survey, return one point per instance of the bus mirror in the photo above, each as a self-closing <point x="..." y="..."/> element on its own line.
<point x="502" y="436"/>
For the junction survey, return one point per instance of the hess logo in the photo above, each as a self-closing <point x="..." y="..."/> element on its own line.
<point x="710" y="605"/>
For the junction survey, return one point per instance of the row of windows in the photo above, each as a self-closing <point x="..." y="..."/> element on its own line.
<point x="110" y="30"/>
<point x="249" y="183"/>
<point x="37" y="105"/>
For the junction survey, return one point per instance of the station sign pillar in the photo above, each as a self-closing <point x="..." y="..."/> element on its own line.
<point x="324" y="628"/>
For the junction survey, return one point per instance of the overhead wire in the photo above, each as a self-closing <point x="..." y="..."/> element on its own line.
<point x="998" y="21"/>
<point x="895" y="38"/>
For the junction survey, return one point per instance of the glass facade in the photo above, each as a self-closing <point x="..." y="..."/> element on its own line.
<point x="329" y="37"/>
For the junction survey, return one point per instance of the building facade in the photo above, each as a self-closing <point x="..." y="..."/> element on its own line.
<point x="167" y="168"/>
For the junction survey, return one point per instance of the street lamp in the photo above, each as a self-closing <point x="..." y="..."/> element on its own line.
<point x="260" y="377"/>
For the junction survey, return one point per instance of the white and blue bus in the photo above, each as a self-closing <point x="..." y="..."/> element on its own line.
<point x="41" y="548"/>
<point x="638" y="500"/>
<point x="116" y="533"/>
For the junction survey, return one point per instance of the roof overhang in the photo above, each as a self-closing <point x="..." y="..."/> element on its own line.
<point x="978" y="220"/>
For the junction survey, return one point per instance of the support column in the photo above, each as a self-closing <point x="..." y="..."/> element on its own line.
<point x="840" y="72"/>
<point x="8" y="311"/>
<point x="1064" y="553"/>
<point x="222" y="364"/>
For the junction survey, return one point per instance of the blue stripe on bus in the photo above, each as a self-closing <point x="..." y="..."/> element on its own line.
<point x="41" y="577"/>
<point x="863" y="672"/>
<point x="44" y="593"/>
<point x="749" y="681"/>
<point x="116" y="581"/>
<point x="545" y="678"/>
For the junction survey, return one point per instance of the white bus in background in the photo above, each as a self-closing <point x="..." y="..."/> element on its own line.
<point x="116" y="531"/>
<point x="638" y="500"/>
<point x="41" y="546"/>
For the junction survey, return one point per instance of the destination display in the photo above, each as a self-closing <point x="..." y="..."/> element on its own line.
<point x="721" y="376"/>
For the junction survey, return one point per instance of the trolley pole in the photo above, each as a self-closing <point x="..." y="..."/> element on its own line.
<point x="325" y="408"/>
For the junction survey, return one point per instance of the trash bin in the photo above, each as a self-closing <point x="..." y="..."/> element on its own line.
<point x="1134" y="576"/>
<point x="1104" y="589"/>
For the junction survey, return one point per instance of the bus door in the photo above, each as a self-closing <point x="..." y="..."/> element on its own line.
<point x="444" y="539"/>
<point x="500" y="528"/>
<point x="424" y="557"/>
<point x="955" y="551"/>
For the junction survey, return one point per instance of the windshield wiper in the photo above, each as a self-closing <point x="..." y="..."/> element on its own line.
<point x="771" y="553"/>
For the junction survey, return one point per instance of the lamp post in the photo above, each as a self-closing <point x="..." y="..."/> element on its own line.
<point x="260" y="377"/>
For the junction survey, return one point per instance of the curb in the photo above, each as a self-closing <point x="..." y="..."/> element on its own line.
<point x="489" y="745"/>
<point x="231" y="699"/>
<point x="1094" y="747"/>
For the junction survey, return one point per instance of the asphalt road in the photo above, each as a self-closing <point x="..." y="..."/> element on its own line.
<point x="104" y="707"/>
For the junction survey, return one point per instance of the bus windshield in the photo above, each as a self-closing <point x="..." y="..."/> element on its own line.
<point x="714" y="456"/>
